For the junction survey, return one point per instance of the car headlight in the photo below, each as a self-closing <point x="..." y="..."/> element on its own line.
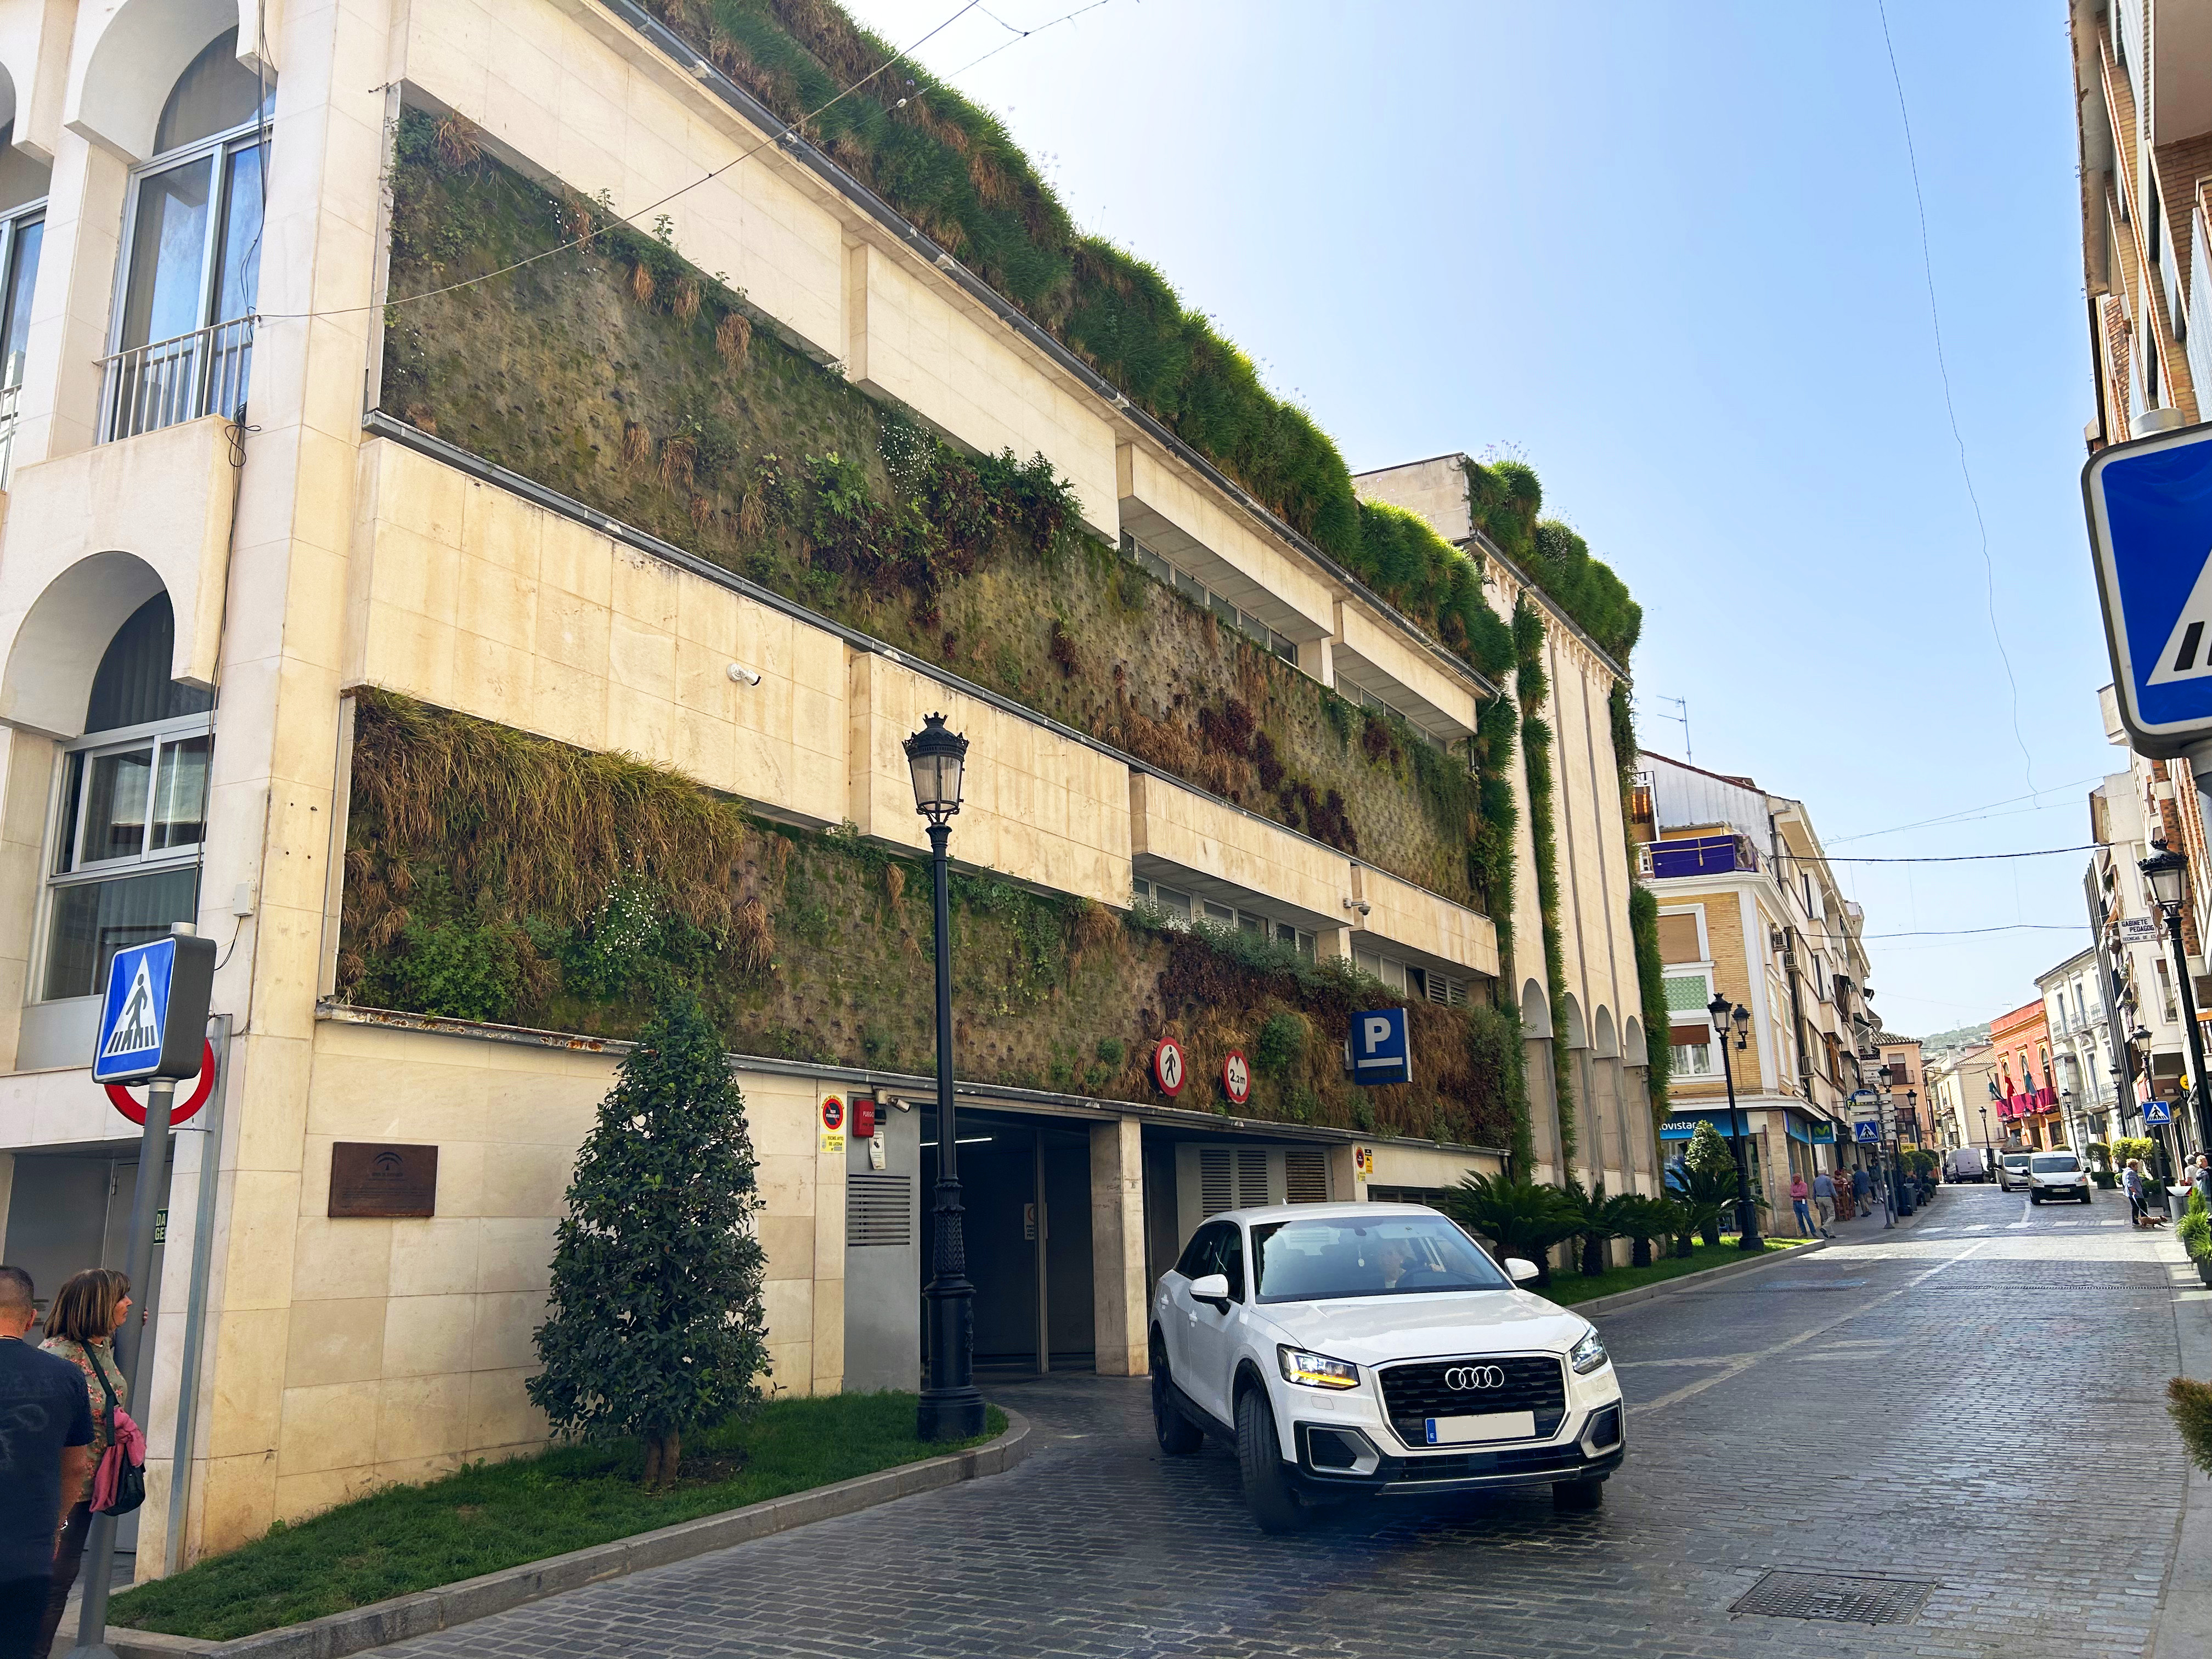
<point x="1586" y="1355"/>
<point x="1315" y="1370"/>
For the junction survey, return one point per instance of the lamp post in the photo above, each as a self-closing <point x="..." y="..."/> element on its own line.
<point x="1739" y="1016"/>
<point x="951" y="1407"/>
<point x="2167" y="872"/>
<point x="1989" y="1146"/>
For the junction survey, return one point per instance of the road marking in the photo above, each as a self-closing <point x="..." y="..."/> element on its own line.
<point x="1737" y="1367"/>
<point x="2027" y="1209"/>
<point x="1624" y="1364"/>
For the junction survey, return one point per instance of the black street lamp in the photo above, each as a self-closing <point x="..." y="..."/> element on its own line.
<point x="2167" y="872"/>
<point x="1989" y="1146"/>
<point x="1746" y="1211"/>
<point x="951" y="1406"/>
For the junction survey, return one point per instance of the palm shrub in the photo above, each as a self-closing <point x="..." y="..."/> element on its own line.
<point x="1589" y="1205"/>
<point x="1518" y="1218"/>
<point x="1639" y="1220"/>
<point x="1711" y="1200"/>
<point x="656" y="1322"/>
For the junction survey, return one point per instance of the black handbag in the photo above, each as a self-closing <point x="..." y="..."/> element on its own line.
<point x="130" y="1477"/>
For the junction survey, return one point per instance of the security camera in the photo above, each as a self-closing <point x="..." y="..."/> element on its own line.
<point x="1359" y="905"/>
<point x="743" y="675"/>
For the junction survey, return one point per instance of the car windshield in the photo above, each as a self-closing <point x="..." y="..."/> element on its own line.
<point x="2015" y="1160"/>
<point x="2056" y="1163"/>
<point x="1326" y="1257"/>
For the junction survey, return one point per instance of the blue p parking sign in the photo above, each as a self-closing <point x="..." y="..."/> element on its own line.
<point x="1380" y="1052"/>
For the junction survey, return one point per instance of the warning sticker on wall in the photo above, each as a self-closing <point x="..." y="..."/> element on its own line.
<point x="833" y="1123"/>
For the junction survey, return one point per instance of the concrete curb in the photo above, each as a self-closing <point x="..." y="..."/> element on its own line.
<point x="2185" y="1613"/>
<point x="361" y="1628"/>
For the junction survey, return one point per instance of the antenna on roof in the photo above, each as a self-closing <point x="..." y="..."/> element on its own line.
<point x="1681" y="719"/>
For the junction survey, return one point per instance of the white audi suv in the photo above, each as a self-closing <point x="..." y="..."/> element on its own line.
<point x="1347" y="1349"/>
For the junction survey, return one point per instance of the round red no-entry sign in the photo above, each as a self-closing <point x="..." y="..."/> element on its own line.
<point x="134" y="1109"/>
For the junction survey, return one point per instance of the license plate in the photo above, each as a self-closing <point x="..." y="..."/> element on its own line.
<point x="1494" y="1425"/>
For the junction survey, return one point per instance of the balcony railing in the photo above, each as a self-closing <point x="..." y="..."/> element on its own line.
<point x="11" y="399"/>
<point x="171" y="381"/>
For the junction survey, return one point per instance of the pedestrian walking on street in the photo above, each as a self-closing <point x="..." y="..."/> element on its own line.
<point x="2138" y="1186"/>
<point x="1859" y="1187"/>
<point x="1824" y="1201"/>
<point x="43" y="1402"/>
<point x="87" y="1311"/>
<point x="1799" y="1193"/>
<point x="2201" y="1176"/>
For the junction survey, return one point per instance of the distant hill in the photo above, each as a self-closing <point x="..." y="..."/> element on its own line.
<point x="1950" y="1043"/>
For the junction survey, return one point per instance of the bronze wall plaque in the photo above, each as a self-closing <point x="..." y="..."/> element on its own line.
<point x="369" y="1178"/>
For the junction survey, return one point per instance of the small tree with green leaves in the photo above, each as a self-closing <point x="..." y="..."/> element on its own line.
<point x="656" y="1323"/>
<point x="1709" y="1157"/>
<point x="2189" y="1404"/>
<point x="1517" y="1217"/>
<point x="2195" y="1229"/>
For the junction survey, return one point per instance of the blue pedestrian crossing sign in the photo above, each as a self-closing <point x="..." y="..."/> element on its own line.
<point x="1867" y="1129"/>
<point x="2157" y="1111"/>
<point x="1380" y="1052"/>
<point x="153" y="1021"/>
<point x="2149" y="505"/>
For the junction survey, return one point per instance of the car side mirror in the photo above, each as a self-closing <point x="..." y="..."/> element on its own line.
<point x="1519" y="1269"/>
<point x="1212" y="1287"/>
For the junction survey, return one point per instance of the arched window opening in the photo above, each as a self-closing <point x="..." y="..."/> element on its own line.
<point x="132" y="808"/>
<point x="184" y="333"/>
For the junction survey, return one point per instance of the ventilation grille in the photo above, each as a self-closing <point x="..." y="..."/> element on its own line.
<point x="1443" y="988"/>
<point x="1305" y="1177"/>
<point x="879" y="1209"/>
<point x="1231" y="1178"/>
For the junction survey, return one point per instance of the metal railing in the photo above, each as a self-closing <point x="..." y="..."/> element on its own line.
<point x="11" y="399"/>
<point x="171" y="381"/>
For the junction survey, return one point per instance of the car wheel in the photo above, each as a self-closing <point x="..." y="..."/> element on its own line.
<point x="1576" y="1496"/>
<point x="2035" y="1198"/>
<point x="1178" y="1436"/>
<point x="1267" y="1490"/>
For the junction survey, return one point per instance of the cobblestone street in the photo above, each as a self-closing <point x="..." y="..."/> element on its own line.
<point x="1973" y="1403"/>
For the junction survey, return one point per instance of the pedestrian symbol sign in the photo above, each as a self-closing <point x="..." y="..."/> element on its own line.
<point x="2157" y="1111"/>
<point x="1866" y="1130"/>
<point x="153" y="1020"/>
<point x="2149" y="505"/>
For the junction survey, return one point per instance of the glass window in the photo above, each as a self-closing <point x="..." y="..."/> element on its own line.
<point x="1327" y="1258"/>
<point x="24" y="237"/>
<point x="133" y="809"/>
<point x="215" y="93"/>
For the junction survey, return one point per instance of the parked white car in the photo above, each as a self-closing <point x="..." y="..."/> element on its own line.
<point x="2058" y="1174"/>
<point x="2012" y="1171"/>
<point x="1350" y="1349"/>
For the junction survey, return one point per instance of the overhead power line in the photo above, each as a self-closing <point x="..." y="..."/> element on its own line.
<point x="1954" y="857"/>
<point x="2008" y="928"/>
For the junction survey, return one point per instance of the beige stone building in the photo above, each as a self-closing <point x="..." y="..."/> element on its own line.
<point x="217" y="534"/>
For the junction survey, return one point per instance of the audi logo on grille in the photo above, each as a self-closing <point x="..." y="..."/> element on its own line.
<point x="1460" y="1379"/>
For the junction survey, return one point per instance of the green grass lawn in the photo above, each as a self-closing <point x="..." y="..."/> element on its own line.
<point x="490" y="1515"/>
<point x="1567" y="1289"/>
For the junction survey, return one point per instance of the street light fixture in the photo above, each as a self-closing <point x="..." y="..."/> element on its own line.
<point x="2167" y="873"/>
<point x="1739" y="1016"/>
<point x="951" y="1406"/>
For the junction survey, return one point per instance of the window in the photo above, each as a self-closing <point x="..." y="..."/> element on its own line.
<point x="131" y="809"/>
<point x="1678" y="936"/>
<point x="1390" y="1256"/>
<point x="183" y="334"/>
<point x="1692" y="1046"/>
<point x="20" y="238"/>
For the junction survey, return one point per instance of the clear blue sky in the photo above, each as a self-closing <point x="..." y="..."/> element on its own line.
<point x="1670" y="255"/>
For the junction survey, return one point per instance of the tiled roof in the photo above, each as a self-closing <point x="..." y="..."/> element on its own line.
<point x="1890" y="1039"/>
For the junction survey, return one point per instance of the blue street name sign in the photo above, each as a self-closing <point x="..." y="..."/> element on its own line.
<point x="2149" y="505"/>
<point x="1379" y="1052"/>
<point x="1863" y="1130"/>
<point x="153" y="1021"/>
<point x="2157" y="1111"/>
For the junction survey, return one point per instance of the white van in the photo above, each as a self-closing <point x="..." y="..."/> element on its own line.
<point x="1966" y="1164"/>
<point x="2013" y="1171"/>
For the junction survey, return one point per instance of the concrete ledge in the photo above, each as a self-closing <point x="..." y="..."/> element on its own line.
<point x="358" y="1629"/>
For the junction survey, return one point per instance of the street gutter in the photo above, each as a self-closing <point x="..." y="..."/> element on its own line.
<point x="358" y="1629"/>
<point x="2184" y="1614"/>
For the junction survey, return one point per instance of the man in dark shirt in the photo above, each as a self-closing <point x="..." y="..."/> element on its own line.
<point x="46" y="1431"/>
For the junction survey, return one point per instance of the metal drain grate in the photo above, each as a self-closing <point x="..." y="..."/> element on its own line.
<point x="1813" y="1284"/>
<point x="1836" y="1596"/>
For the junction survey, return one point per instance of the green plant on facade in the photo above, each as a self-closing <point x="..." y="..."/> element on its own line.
<point x="954" y="171"/>
<point x="600" y="885"/>
<point x="1531" y="685"/>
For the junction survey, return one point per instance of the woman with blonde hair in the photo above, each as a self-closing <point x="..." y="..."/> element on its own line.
<point x="81" y="1327"/>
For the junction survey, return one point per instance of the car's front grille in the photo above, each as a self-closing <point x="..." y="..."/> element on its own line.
<point x="1468" y="1466"/>
<point x="1413" y="1393"/>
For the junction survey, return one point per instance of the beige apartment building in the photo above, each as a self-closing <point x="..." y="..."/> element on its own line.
<point x="1749" y="909"/>
<point x="241" y="542"/>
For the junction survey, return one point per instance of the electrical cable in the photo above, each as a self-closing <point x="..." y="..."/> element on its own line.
<point x="1970" y="814"/>
<point x="1021" y="35"/>
<point x="2008" y="928"/>
<point x="1943" y="373"/>
<point x="738" y="159"/>
<point x="1948" y="858"/>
